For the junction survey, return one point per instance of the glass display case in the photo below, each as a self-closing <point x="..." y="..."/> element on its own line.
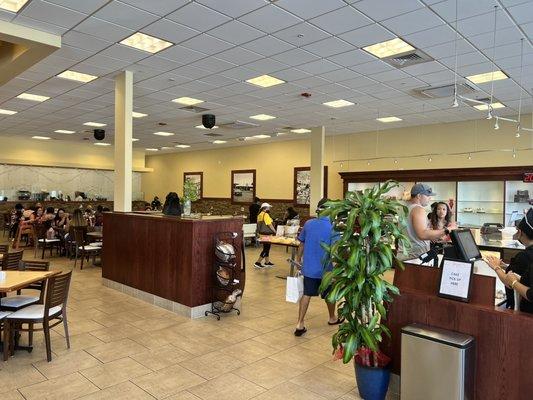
<point x="355" y="186"/>
<point x="446" y="192"/>
<point x="518" y="198"/>
<point x="480" y="202"/>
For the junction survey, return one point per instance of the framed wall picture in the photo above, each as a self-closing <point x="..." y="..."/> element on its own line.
<point x="198" y="179"/>
<point x="243" y="186"/>
<point x="302" y="185"/>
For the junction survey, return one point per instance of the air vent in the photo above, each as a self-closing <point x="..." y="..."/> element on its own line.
<point x="407" y="59"/>
<point x="239" y="125"/>
<point x="194" y="109"/>
<point x="437" y="92"/>
<point x="212" y="134"/>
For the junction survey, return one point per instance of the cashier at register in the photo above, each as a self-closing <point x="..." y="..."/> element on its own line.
<point x="519" y="274"/>
<point x="419" y="233"/>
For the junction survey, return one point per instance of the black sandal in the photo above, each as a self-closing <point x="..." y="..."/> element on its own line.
<point x="339" y="321"/>
<point x="300" y="332"/>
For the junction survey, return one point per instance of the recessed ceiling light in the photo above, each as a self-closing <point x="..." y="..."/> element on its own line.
<point x="487" y="77"/>
<point x="76" y="76"/>
<point x="182" y="146"/>
<point x="65" y="131"/>
<point x="261" y="136"/>
<point x="95" y="124"/>
<point x="338" y="103"/>
<point x="188" y="101"/>
<point x="41" y="137"/>
<point x="300" y="130"/>
<point x="152" y="149"/>
<point x="32" y="97"/>
<point x="262" y="117"/>
<point x="145" y="42"/>
<point x="134" y="139"/>
<point x="203" y="127"/>
<point x="7" y="112"/>
<point x="12" y="5"/>
<point x="389" y="119"/>
<point x="281" y="133"/>
<point x="485" y="107"/>
<point x="166" y="148"/>
<point x="102" y="144"/>
<point x="389" y="48"/>
<point x="163" y="133"/>
<point x="219" y="141"/>
<point x="136" y="114"/>
<point x="265" y="81"/>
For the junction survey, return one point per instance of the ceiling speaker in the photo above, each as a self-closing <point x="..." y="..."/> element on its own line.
<point x="208" y="121"/>
<point x="99" y="134"/>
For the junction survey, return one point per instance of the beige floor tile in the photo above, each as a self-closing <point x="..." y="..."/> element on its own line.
<point x="339" y="366"/>
<point x="185" y="395"/>
<point x="268" y="373"/>
<point x="116" y="332"/>
<point x="122" y="391"/>
<point x="168" y="381"/>
<point x="249" y="351"/>
<point x="114" y="350"/>
<point x="354" y="395"/>
<point x="14" y="377"/>
<point x="69" y="363"/>
<point x="12" y="395"/>
<point x="213" y="364"/>
<point x="77" y="342"/>
<point x="290" y="391"/>
<point x="280" y="339"/>
<point x="263" y="324"/>
<point x="162" y="357"/>
<point x="201" y="345"/>
<point x="235" y="333"/>
<point x="301" y="358"/>
<point x="154" y="324"/>
<point x="65" y="387"/>
<point x="326" y="382"/>
<point x="82" y="326"/>
<point x="227" y="387"/>
<point x="115" y="372"/>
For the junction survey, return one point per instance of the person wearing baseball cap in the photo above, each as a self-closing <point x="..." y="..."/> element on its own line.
<point x="518" y="275"/>
<point x="265" y="226"/>
<point x="418" y="231"/>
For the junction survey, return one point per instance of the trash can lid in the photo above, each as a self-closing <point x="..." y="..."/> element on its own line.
<point x="451" y="338"/>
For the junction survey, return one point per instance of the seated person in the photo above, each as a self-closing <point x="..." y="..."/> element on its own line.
<point x="521" y="264"/>
<point x="289" y="215"/>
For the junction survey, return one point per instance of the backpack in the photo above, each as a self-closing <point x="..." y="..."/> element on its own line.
<point x="172" y="204"/>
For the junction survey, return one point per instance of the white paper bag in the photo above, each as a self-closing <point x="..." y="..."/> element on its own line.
<point x="295" y="288"/>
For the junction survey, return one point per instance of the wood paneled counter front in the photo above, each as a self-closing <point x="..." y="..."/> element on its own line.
<point x="165" y="260"/>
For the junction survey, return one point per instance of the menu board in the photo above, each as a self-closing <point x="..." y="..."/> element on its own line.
<point x="456" y="279"/>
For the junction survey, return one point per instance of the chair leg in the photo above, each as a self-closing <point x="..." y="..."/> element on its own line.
<point x="65" y="325"/>
<point x="30" y="334"/>
<point x="44" y="248"/>
<point x="7" y="339"/>
<point x="82" y="257"/>
<point x="46" y="329"/>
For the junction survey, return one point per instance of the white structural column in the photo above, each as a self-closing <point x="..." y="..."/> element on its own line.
<point x="317" y="166"/>
<point x="123" y="143"/>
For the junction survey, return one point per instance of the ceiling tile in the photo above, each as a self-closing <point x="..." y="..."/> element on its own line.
<point x="239" y="55"/>
<point x="207" y="43"/>
<point x="372" y="67"/>
<point x="413" y="21"/>
<point x="39" y="25"/>
<point x="328" y="47"/>
<point x="270" y="19"/>
<point x="236" y="32"/>
<point x="295" y="57"/>
<point x="84" y="41"/>
<point x="266" y="66"/>
<point x="159" y="7"/>
<point x="170" y="31"/>
<point x="52" y="14"/>
<point x="431" y="37"/>
<point x="383" y="9"/>
<point x="483" y="23"/>
<point x="318" y="67"/>
<point x="351" y="58"/>
<point x="342" y="20"/>
<point x="267" y="46"/>
<point x="301" y="34"/>
<point x="157" y="64"/>
<point x="234" y="8"/>
<point x="102" y="29"/>
<point x="367" y="35"/>
<point x="125" y="15"/>
<point x="213" y="64"/>
<point x="465" y="9"/>
<point x="181" y="54"/>
<point x="198" y="17"/>
<point x="307" y="9"/>
<point x="125" y="53"/>
<point x="86" y="7"/>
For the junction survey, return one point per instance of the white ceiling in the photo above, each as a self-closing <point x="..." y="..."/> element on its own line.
<point x="314" y="45"/>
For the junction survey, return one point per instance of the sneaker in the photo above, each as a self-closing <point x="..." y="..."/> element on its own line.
<point x="269" y="264"/>
<point x="258" y="265"/>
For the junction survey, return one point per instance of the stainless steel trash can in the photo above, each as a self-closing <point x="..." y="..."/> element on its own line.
<point x="436" y="364"/>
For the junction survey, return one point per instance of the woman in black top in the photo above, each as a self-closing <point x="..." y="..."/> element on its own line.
<point x="521" y="265"/>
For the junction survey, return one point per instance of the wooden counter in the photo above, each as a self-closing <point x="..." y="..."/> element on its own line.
<point x="504" y="338"/>
<point x="168" y="257"/>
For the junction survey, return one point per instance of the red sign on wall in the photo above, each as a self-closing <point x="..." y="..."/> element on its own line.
<point x="528" y="177"/>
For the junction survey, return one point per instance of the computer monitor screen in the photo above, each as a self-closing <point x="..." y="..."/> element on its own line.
<point x="465" y="245"/>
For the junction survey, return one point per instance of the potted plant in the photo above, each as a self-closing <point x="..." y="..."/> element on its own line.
<point x="190" y="194"/>
<point x="368" y="224"/>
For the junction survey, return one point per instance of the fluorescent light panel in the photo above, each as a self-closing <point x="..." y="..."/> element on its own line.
<point x="485" y="107"/>
<point x="41" y="137"/>
<point x="182" y="146"/>
<point x="134" y="139"/>
<point x="102" y="144"/>
<point x="12" y="5"/>
<point x="262" y="117"/>
<point x="136" y="114"/>
<point x="203" y="127"/>
<point x="65" y="131"/>
<point x="300" y="130"/>
<point x="219" y="141"/>
<point x="338" y="103"/>
<point x="151" y="149"/>
<point x="147" y="43"/>
<point x="77" y="76"/>
<point x="188" y="101"/>
<point x="94" y="124"/>
<point x="487" y="77"/>
<point x="32" y="97"/>
<point x="7" y="112"/>
<point x="388" y="119"/>
<point x="265" y="81"/>
<point x="389" y="48"/>
<point x="163" y="133"/>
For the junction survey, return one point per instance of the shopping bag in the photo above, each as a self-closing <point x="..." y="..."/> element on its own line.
<point x="295" y="288"/>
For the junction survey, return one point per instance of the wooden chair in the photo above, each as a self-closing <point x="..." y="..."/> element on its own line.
<point x="7" y="224"/>
<point x="4" y="327"/>
<point x="4" y="248"/>
<point x="53" y="312"/>
<point x="10" y="261"/>
<point x="15" y="303"/>
<point x="25" y="229"/>
<point x="41" y="234"/>
<point x="83" y="248"/>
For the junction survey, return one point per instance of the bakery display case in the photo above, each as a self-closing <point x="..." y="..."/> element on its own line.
<point x="518" y="197"/>
<point x="480" y="202"/>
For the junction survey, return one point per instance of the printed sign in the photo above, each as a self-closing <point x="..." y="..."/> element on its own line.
<point x="456" y="279"/>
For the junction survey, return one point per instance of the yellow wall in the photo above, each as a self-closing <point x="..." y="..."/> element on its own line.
<point x="61" y="154"/>
<point x="274" y="162"/>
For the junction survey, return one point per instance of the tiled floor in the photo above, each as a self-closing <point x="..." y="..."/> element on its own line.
<point x="123" y="348"/>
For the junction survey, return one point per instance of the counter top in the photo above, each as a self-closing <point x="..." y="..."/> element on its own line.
<point x="160" y="216"/>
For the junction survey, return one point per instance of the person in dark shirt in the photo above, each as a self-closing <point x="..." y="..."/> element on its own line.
<point x="519" y="274"/>
<point x="254" y="209"/>
<point x="156" y="203"/>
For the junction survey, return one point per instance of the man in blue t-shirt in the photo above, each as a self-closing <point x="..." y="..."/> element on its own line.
<point x="315" y="232"/>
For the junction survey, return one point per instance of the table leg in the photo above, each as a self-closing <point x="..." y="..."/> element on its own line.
<point x="291" y="263"/>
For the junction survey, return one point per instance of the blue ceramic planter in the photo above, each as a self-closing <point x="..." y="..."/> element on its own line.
<point x="372" y="383"/>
